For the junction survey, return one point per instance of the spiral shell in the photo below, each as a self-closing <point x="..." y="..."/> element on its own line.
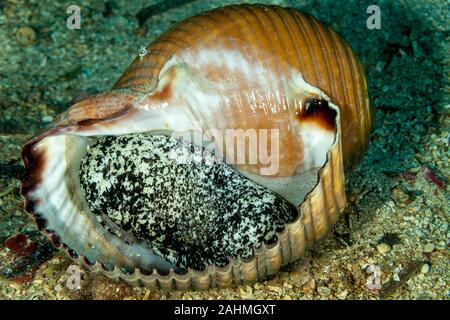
<point x="246" y="66"/>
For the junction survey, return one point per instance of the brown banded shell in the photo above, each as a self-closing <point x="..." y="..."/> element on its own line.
<point x="286" y="60"/>
<point x="319" y="53"/>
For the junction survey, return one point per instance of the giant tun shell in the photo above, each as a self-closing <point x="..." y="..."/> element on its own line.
<point x="296" y="63"/>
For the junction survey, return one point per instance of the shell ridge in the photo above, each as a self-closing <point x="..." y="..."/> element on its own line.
<point x="310" y="60"/>
<point x="325" y="55"/>
<point x="356" y="104"/>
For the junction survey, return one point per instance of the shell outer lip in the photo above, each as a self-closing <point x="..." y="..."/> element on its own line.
<point x="34" y="160"/>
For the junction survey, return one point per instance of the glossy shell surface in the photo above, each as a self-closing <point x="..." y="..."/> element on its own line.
<point x="280" y="39"/>
<point x="246" y="66"/>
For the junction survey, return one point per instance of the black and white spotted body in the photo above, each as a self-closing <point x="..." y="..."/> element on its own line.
<point x="192" y="209"/>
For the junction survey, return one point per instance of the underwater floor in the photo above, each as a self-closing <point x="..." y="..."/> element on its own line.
<point x="396" y="220"/>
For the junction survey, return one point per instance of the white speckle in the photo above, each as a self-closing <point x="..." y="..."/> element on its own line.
<point x="142" y="52"/>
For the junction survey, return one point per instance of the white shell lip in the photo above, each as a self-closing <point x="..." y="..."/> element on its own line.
<point x="52" y="196"/>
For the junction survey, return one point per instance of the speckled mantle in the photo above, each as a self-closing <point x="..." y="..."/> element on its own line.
<point x="192" y="208"/>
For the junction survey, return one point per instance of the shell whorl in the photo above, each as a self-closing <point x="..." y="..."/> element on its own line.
<point x="302" y="42"/>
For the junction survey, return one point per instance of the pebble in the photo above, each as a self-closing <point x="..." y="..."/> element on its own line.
<point x="383" y="248"/>
<point x="288" y="285"/>
<point x="146" y="295"/>
<point x="415" y="169"/>
<point x="309" y="287"/>
<point x="47" y="119"/>
<point x="400" y="197"/>
<point x="425" y="268"/>
<point x="25" y="36"/>
<point x="396" y="277"/>
<point x="342" y="295"/>
<point x="324" y="291"/>
<point x="276" y="289"/>
<point x="300" y="278"/>
<point x="187" y="296"/>
<point x="259" y="294"/>
<point x="429" y="247"/>
<point x="380" y="65"/>
<point x="246" y="293"/>
<point x="391" y="204"/>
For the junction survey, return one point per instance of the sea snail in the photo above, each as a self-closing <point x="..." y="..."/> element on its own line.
<point x="243" y="67"/>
